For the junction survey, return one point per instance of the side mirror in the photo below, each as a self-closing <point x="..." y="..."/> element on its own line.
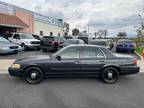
<point x="58" y="58"/>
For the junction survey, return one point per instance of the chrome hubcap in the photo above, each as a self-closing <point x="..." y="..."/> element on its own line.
<point x="33" y="76"/>
<point x="110" y="75"/>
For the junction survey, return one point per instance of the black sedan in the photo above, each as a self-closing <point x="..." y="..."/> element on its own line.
<point x="75" y="61"/>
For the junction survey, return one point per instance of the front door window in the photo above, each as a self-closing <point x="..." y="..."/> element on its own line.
<point x="72" y="52"/>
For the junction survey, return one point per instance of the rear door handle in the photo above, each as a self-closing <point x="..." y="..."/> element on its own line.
<point x="101" y="61"/>
<point x="77" y="62"/>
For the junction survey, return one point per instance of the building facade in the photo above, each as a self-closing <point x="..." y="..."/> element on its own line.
<point x="16" y="19"/>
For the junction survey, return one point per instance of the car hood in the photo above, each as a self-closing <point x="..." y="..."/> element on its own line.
<point x="33" y="58"/>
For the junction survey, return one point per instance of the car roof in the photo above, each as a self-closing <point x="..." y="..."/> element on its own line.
<point x="73" y="39"/>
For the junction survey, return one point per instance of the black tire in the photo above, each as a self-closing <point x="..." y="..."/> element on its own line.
<point x="23" y="46"/>
<point x="39" y="49"/>
<point x="110" y="75"/>
<point x="133" y="51"/>
<point x="33" y="75"/>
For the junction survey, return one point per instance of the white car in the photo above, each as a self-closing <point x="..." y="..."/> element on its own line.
<point x="100" y="42"/>
<point x="25" y="40"/>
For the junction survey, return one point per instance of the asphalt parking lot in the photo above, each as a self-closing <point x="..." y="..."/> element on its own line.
<point x="24" y="54"/>
<point x="72" y="93"/>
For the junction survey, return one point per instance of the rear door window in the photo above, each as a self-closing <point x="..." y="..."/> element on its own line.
<point x="92" y="52"/>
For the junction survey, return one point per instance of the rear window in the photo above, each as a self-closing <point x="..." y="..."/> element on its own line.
<point x="128" y="41"/>
<point x="59" y="39"/>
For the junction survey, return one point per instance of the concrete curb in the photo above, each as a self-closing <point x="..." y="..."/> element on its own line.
<point x="5" y="64"/>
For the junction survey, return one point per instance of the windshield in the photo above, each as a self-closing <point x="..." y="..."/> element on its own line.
<point x="27" y="36"/>
<point x="3" y="40"/>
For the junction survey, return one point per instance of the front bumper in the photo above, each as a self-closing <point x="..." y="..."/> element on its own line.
<point x="127" y="70"/>
<point x="33" y="46"/>
<point x="15" y="72"/>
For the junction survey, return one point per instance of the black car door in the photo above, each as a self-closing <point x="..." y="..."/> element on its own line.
<point x="93" y="60"/>
<point x="69" y="63"/>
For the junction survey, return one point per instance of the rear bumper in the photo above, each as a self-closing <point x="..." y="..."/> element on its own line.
<point x="127" y="70"/>
<point x="125" y="49"/>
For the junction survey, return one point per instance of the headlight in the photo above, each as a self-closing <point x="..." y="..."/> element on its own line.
<point x="15" y="66"/>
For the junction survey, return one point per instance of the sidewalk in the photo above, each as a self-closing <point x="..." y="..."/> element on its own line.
<point x="6" y="63"/>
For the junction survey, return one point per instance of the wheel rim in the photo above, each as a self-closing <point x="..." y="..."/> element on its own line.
<point x="110" y="76"/>
<point x="33" y="76"/>
<point x="23" y="46"/>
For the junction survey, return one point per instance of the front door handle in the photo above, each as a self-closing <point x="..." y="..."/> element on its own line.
<point x="77" y="62"/>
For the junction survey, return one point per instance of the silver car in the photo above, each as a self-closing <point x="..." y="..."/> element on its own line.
<point x="8" y="48"/>
<point x="100" y="42"/>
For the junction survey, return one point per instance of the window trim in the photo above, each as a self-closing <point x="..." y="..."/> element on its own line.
<point x="80" y="53"/>
<point x="17" y="38"/>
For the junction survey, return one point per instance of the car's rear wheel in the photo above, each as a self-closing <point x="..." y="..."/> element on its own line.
<point x="33" y="75"/>
<point x="110" y="75"/>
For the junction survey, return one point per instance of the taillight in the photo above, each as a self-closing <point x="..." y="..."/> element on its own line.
<point x="135" y="61"/>
<point x="55" y="44"/>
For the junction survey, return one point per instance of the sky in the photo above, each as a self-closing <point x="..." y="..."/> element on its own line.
<point x="113" y="15"/>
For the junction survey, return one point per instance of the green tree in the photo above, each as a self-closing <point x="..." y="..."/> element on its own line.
<point x="75" y="32"/>
<point x="66" y="28"/>
<point x="122" y="35"/>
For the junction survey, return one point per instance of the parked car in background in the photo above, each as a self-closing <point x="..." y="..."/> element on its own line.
<point x="75" y="61"/>
<point x="27" y="41"/>
<point x="37" y="36"/>
<point x="125" y="45"/>
<point x="7" y="47"/>
<point x="84" y="38"/>
<point x="100" y="42"/>
<point x="70" y="37"/>
<point x="52" y="43"/>
<point x="73" y="41"/>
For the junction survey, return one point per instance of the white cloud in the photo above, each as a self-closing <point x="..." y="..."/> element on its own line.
<point x="114" y="15"/>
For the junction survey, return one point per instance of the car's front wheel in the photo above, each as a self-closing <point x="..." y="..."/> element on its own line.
<point x="110" y="75"/>
<point x="33" y="75"/>
<point x="23" y="46"/>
